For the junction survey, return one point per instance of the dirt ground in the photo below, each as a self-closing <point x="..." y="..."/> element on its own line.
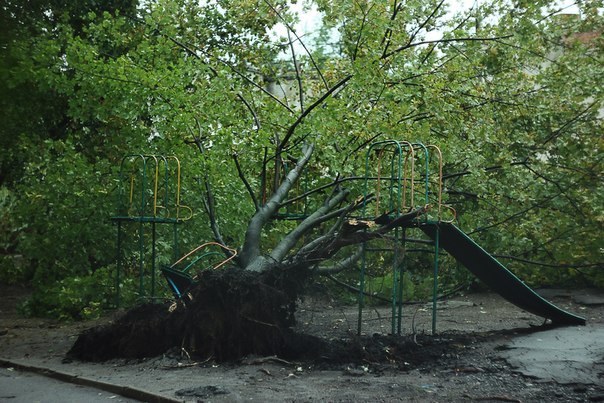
<point x="466" y="360"/>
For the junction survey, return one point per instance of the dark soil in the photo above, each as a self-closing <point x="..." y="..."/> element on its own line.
<point x="227" y="315"/>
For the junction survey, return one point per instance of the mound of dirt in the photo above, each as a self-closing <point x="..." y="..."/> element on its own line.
<point x="227" y="315"/>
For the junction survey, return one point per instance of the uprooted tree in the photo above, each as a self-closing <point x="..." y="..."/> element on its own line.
<point x="511" y="92"/>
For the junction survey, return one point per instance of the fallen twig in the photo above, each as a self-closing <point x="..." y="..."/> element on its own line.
<point x="495" y="398"/>
<point x="264" y="360"/>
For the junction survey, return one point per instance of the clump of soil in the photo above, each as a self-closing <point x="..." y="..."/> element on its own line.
<point x="141" y="332"/>
<point x="230" y="314"/>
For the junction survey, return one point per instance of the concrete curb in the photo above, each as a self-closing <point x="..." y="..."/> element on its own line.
<point x="125" y="391"/>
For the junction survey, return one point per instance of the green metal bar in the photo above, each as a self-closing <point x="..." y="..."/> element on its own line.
<point x="175" y="245"/>
<point x="141" y="259"/>
<point x="153" y="258"/>
<point x="197" y="259"/>
<point x="361" y="298"/>
<point x="395" y="281"/>
<point x="119" y="264"/>
<point x="401" y="270"/>
<point x="427" y="171"/>
<point x="435" y="285"/>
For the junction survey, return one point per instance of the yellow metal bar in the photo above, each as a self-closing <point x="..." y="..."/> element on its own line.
<point x="233" y="251"/>
<point x="131" y="190"/>
<point x="131" y="158"/>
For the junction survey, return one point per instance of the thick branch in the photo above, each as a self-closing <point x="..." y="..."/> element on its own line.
<point x="346" y="238"/>
<point x="329" y="236"/>
<point x="306" y="225"/>
<point x="342" y="264"/>
<point x="251" y="246"/>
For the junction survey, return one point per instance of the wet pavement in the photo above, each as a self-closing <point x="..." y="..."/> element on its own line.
<point x="566" y="355"/>
<point x="26" y="387"/>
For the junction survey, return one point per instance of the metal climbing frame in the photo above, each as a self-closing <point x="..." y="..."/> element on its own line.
<point x="148" y="194"/>
<point x="398" y="176"/>
<point x="178" y="274"/>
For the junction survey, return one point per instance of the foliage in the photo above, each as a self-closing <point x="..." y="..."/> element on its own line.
<point x="79" y="297"/>
<point x="512" y="93"/>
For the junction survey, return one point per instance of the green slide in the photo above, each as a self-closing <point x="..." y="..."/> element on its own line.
<point x="490" y="271"/>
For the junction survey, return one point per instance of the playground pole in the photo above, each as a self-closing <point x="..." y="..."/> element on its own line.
<point x="141" y="259"/>
<point x="119" y="264"/>
<point x="361" y="291"/>
<point x="153" y="256"/>
<point x="401" y="269"/>
<point x="435" y="288"/>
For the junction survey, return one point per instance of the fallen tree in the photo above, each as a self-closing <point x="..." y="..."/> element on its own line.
<point x="390" y="78"/>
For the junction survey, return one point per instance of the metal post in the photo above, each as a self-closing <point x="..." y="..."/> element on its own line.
<point x="395" y="281"/>
<point x="401" y="282"/>
<point x="153" y="256"/>
<point x="141" y="260"/>
<point x="119" y="263"/>
<point x="435" y="289"/>
<point x="361" y="291"/>
<point x="175" y="247"/>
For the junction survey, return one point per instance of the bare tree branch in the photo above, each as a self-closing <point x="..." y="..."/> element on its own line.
<point x="360" y="33"/>
<point x="318" y="102"/>
<point x="247" y="185"/>
<point x="297" y="70"/>
<point x="465" y="39"/>
<point x="208" y="201"/>
<point x="360" y="234"/>
<point x="557" y="266"/>
<point x="355" y="289"/>
<point x="249" y="108"/>
<point x="560" y="130"/>
<point x="329" y="236"/>
<point x="423" y="24"/>
<point x="290" y="29"/>
<point x="388" y="33"/>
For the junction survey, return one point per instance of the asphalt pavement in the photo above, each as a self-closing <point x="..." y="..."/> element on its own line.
<point x="26" y="387"/>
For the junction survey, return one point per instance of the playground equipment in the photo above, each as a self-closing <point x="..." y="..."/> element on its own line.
<point x="178" y="275"/>
<point x="148" y="195"/>
<point x="398" y="174"/>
